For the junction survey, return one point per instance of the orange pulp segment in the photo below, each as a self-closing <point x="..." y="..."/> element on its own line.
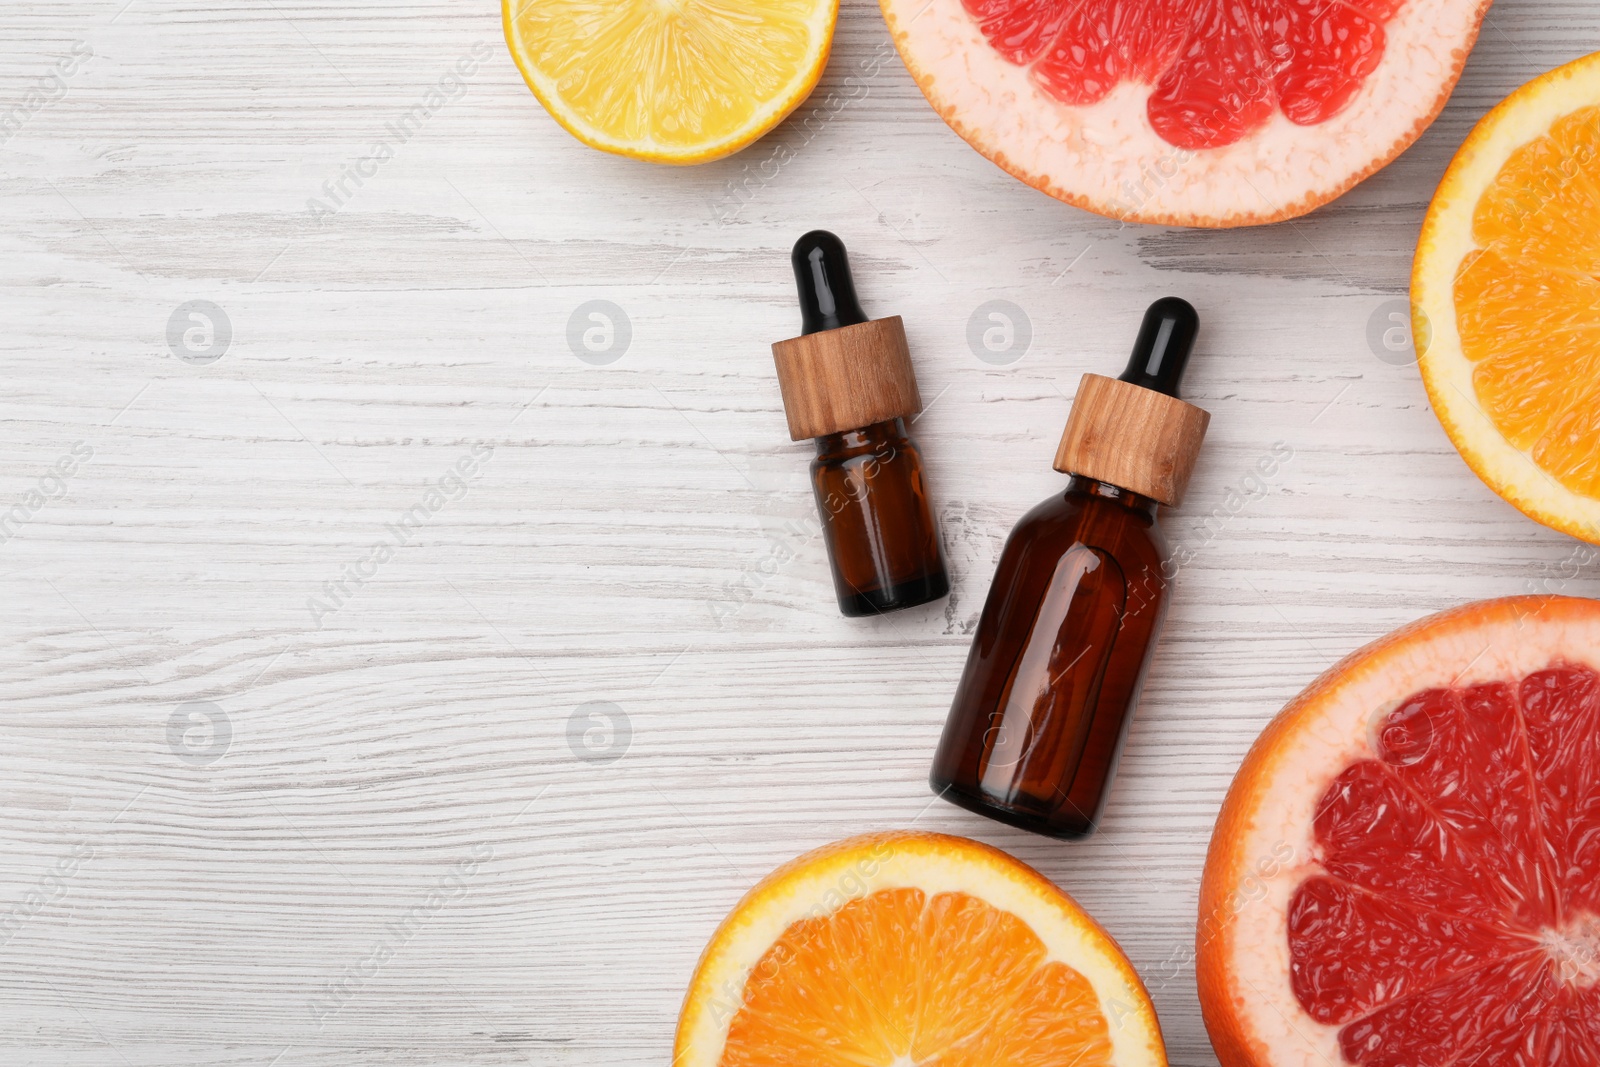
<point x="899" y="977"/>
<point x="1528" y="301"/>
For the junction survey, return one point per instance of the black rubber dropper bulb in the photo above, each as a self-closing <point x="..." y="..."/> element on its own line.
<point x="1162" y="351"/>
<point x="827" y="292"/>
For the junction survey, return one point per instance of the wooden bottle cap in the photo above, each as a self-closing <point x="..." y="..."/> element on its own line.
<point x="1133" y="438"/>
<point x="844" y="379"/>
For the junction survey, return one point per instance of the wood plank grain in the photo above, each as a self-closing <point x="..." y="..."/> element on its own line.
<point x="225" y="801"/>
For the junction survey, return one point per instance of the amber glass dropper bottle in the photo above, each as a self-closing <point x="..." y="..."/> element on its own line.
<point x="847" y="382"/>
<point x="1054" y="673"/>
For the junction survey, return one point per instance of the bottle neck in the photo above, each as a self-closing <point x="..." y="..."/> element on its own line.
<point x="1092" y="487"/>
<point x="875" y="438"/>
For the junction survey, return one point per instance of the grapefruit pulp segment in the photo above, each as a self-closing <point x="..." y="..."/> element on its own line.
<point x="1468" y="812"/>
<point x="1322" y="52"/>
<point x="1100" y="46"/>
<point x="1487" y="1012"/>
<point x="1220" y="87"/>
<point x="1352" y="950"/>
<point x="1564" y="731"/>
<point x="1219" y="67"/>
<point x="1018" y="29"/>
<point x="1440" y="794"/>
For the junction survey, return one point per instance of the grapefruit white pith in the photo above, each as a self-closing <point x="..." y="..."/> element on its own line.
<point x="1188" y="112"/>
<point x="1406" y="871"/>
<point x="913" y="950"/>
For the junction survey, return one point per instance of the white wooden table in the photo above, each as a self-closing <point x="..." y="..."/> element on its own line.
<point x="485" y="804"/>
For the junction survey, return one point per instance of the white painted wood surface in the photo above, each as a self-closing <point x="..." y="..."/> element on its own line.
<point x="390" y="804"/>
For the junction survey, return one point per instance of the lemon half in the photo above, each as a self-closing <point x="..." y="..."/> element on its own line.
<point x="670" y="81"/>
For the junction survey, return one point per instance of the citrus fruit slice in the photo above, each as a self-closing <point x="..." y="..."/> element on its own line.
<point x="1188" y="112"/>
<point x="1406" y="871"/>
<point x="1505" y="296"/>
<point x="913" y="950"/>
<point x="671" y="81"/>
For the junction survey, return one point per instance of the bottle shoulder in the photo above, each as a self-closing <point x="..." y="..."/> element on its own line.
<point x="881" y="442"/>
<point x="1057" y="524"/>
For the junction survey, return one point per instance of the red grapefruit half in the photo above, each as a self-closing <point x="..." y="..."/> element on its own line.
<point x="1406" y="871"/>
<point x="1188" y="112"/>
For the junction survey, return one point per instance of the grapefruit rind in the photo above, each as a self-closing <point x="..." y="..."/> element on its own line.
<point x="1446" y="240"/>
<point x="1262" y="847"/>
<point x="819" y="882"/>
<point x="1084" y="154"/>
<point x="761" y="122"/>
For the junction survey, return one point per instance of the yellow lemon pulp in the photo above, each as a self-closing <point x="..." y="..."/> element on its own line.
<point x="672" y="81"/>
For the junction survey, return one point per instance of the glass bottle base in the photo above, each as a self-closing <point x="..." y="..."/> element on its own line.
<point x="904" y="595"/>
<point x="1054" y="825"/>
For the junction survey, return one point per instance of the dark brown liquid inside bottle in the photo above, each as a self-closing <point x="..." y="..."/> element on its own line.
<point x="876" y="520"/>
<point x="1053" y="676"/>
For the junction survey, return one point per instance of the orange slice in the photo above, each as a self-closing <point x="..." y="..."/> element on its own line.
<point x="671" y="81"/>
<point x="1406" y="871"/>
<point x="1506" y="299"/>
<point x="914" y="950"/>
